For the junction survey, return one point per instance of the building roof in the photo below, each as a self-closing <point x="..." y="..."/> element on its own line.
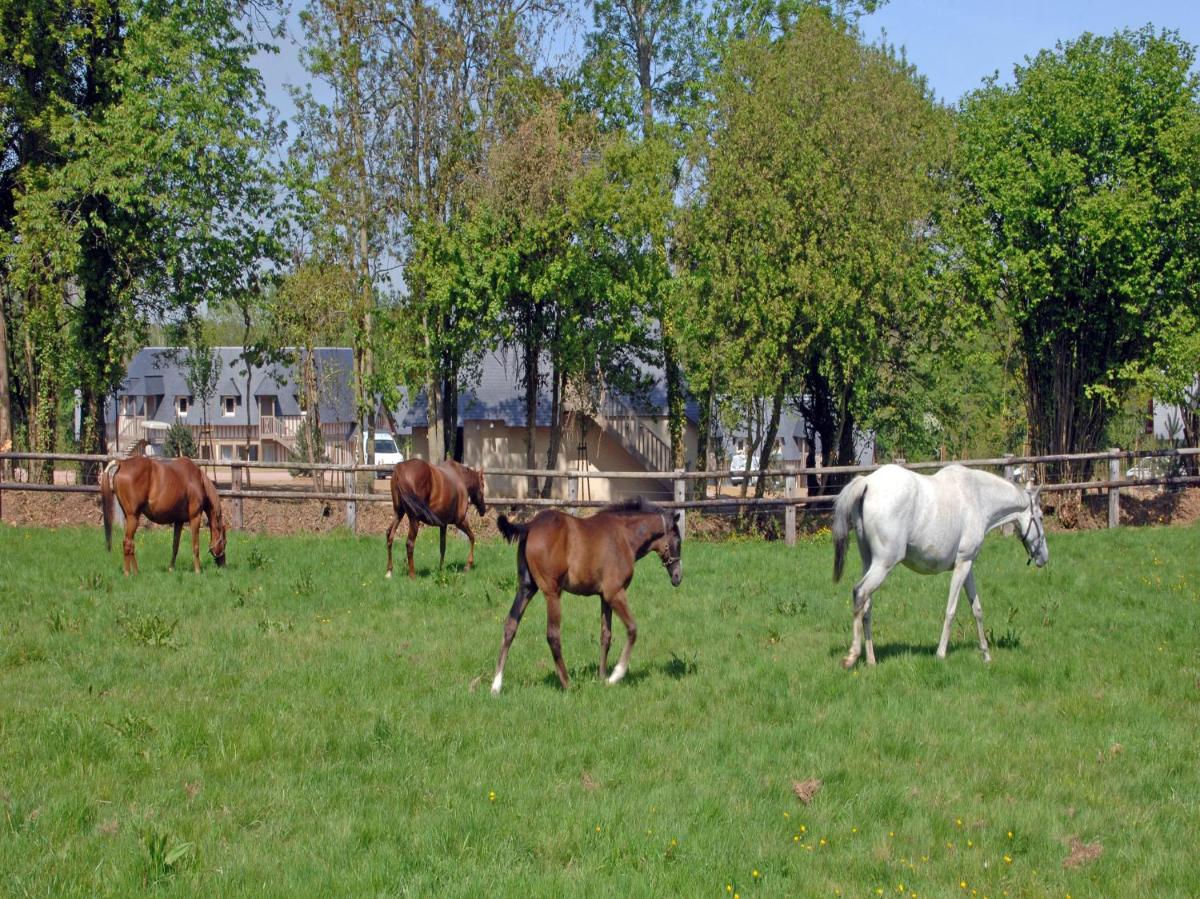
<point x="499" y="395"/>
<point x="496" y="395"/>
<point x="160" y="372"/>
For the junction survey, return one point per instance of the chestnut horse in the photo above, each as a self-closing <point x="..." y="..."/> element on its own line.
<point x="166" y="492"/>
<point x="435" y="495"/>
<point x="592" y="556"/>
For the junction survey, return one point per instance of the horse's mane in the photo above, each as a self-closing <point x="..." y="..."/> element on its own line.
<point x="638" y="505"/>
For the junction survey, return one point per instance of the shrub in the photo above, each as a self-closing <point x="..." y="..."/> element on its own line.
<point x="179" y="441"/>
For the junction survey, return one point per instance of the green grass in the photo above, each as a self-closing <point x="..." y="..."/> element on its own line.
<point x="297" y="725"/>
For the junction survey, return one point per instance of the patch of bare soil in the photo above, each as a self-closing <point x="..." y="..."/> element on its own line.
<point x="266" y="516"/>
<point x="1081" y="853"/>
<point x="1139" y="507"/>
<point x="805" y="790"/>
<point x="50" y="510"/>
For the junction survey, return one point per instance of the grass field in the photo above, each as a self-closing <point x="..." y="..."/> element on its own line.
<point x="296" y="725"/>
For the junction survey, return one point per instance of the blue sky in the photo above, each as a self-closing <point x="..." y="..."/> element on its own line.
<point x="957" y="43"/>
<point x="954" y="43"/>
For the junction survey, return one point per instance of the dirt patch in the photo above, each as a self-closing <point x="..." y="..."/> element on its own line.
<point x="1081" y="853"/>
<point x="1141" y="506"/>
<point x="269" y="516"/>
<point x="805" y="790"/>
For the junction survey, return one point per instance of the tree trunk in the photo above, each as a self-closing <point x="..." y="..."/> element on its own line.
<point x="5" y="401"/>
<point x="556" y="428"/>
<point x="532" y="376"/>
<point x="769" y="435"/>
<point x="704" y="436"/>
<point x="453" y="444"/>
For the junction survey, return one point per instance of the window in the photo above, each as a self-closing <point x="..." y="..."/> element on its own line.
<point x="129" y="405"/>
<point x="182" y="405"/>
<point x="229" y="405"/>
<point x="226" y="451"/>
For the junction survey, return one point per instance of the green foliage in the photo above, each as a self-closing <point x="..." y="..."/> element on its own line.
<point x="164" y="855"/>
<point x="1081" y="215"/>
<point x="811" y="238"/>
<point x="310" y="445"/>
<point x="150" y="629"/>
<point x="178" y="441"/>
<point x="139" y="185"/>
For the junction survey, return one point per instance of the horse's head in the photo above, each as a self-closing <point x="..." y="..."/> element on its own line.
<point x="670" y="544"/>
<point x="216" y="543"/>
<point x="1033" y="531"/>
<point x="476" y="485"/>
<point x="216" y="528"/>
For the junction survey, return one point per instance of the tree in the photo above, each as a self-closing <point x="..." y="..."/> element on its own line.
<point x="1081" y="216"/>
<point x="643" y="55"/>
<point x="178" y="441"/>
<point x="139" y="185"/>
<point x="812" y="233"/>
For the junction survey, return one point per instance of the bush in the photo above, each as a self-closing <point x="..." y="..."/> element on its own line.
<point x="179" y="441"/>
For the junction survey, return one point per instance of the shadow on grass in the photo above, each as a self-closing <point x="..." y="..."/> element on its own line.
<point x="884" y="651"/>
<point x="675" y="668"/>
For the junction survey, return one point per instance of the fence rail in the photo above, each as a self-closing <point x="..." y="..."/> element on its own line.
<point x="788" y="502"/>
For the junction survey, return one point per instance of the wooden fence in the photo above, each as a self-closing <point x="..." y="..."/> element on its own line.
<point x="342" y="482"/>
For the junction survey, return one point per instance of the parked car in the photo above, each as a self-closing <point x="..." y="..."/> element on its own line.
<point x="738" y="463"/>
<point x="386" y="453"/>
<point x="1143" y="469"/>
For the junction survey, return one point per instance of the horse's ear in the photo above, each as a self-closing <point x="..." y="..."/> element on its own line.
<point x="1029" y="486"/>
<point x="1037" y="491"/>
<point x="677" y="519"/>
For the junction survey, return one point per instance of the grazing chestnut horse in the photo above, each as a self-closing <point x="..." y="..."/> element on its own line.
<point x="167" y="492"/>
<point x="588" y="557"/>
<point x="436" y="495"/>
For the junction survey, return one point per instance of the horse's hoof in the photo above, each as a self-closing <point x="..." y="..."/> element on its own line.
<point x="848" y="662"/>
<point x="388" y="575"/>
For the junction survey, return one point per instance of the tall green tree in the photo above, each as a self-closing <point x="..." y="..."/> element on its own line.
<point x="812" y="234"/>
<point x="1081" y="215"/>
<point x="140" y="185"/>
<point x="639" y="72"/>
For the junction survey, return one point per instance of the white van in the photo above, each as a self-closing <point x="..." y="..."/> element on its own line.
<point x="386" y="453"/>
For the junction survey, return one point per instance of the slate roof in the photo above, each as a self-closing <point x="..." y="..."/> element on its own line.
<point x="792" y="432"/>
<point x="159" y="371"/>
<point x="497" y="395"/>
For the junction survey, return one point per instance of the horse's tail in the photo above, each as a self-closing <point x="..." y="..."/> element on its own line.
<point x="415" y="507"/>
<point x="847" y="507"/>
<point x="106" y="498"/>
<point x="511" y="530"/>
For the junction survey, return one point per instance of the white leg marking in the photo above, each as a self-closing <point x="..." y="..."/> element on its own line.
<point x="618" y="673"/>
<point x="497" y="681"/>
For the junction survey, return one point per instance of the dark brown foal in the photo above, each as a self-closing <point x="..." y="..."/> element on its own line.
<point x="593" y="556"/>
<point x="436" y="495"/>
<point x="167" y="492"/>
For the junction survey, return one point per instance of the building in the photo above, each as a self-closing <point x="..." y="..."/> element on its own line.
<point x="155" y="394"/>
<point x="616" y="432"/>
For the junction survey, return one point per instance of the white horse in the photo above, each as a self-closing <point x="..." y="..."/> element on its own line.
<point x="930" y="524"/>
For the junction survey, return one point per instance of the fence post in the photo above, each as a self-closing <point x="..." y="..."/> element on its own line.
<point x="573" y="490"/>
<point x="789" y="511"/>
<point x="1008" y="529"/>
<point x="681" y="496"/>
<point x="351" y="505"/>
<point x="235" y="481"/>
<point x="1114" y="493"/>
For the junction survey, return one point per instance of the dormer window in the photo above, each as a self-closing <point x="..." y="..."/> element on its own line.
<point x="182" y="405"/>
<point x="229" y="406"/>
